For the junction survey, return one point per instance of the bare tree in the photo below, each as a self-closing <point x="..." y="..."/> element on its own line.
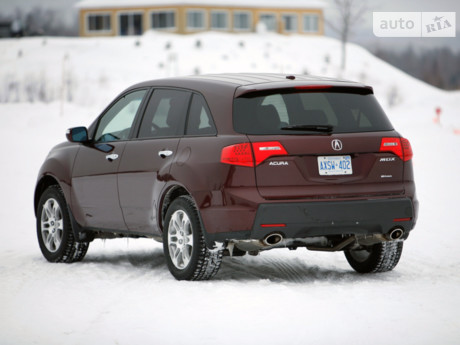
<point x="350" y="11"/>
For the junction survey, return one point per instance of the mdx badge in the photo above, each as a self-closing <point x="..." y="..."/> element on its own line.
<point x="336" y="145"/>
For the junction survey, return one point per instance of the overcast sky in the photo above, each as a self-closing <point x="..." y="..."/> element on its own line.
<point x="362" y="30"/>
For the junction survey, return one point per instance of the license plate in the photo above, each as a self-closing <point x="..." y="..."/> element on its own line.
<point x="334" y="165"/>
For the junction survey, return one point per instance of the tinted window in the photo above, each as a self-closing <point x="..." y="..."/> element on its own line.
<point x="116" y="123"/>
<point x="345" y="112"/>
<point x="199" y="118"/>
<point x="165" y="114"/>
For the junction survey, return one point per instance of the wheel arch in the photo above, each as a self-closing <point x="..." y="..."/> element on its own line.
<point x="169" y="196"/>
<point x="44" y="182"/>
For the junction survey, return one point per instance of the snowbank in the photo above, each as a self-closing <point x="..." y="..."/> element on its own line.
<point x="122" y="293"/>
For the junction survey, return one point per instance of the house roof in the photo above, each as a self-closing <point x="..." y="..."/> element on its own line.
<point x="305" y="4"/>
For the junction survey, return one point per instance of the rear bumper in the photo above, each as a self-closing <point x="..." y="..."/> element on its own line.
<point x="328" y="218"/>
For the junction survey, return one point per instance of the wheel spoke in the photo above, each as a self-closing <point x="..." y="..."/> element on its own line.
<point x="46" y="208"/>
<point x="49" y="240"/>
<point x="60" y="224"/>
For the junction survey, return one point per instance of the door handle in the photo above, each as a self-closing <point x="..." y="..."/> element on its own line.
<point x="165" y="153"/>
<point x="111" y="157"/>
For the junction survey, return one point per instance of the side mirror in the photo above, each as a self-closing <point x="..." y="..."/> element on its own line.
<point x="77" y="135"/>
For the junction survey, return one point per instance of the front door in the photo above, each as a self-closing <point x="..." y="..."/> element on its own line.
<point x="94" y="177"/>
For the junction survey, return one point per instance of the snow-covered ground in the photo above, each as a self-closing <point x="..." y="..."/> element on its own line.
<point x="122" y="293"/>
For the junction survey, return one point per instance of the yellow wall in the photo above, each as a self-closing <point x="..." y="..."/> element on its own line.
<point x="181" y="14"/>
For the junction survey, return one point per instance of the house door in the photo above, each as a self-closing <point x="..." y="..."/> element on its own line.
<point x="130" y="24"/>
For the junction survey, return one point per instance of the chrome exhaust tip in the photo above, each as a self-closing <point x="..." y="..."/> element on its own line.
<point x="272" y="239"/>
<point x="395" y="234"/>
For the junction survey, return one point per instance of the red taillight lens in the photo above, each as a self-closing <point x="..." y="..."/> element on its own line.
<point x="407" y="149"/>
<point x="239" y="154"/>
<point x="399" y="146"/>
<point x="246" y="155"/>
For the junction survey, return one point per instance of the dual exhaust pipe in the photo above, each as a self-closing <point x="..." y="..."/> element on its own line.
<point x="276" y="238"/>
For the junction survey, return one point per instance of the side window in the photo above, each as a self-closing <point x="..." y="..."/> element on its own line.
<point x="165" y="114"/>
<point x="116" y="123"/>
<point x="199" y="118"/>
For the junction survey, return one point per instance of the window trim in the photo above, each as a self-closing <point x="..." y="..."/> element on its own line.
<point x="196" y="10"/>
<point x="226" y="13"/>
<point x="296" y="16"/>
<point x="193" y="93"/>
<point x="120" y="13"/>
<point x="311" y="15"/>
<point x="250" y="21"/>
<point x="104" y="13"/>
<point x="140" y="117"/>
<point x="275" y="16"/>
<point x="163" y="10"/>
<point x="134" y="126"/>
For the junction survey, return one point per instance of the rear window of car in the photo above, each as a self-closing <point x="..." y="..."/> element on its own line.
<point x="281" y="111"/>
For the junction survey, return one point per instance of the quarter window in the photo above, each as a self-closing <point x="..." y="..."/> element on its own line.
<point x="99" y="22"/>
<point x="165" y="114"/>
<point x="199" y="118"/>
<point x="116" y="123"/>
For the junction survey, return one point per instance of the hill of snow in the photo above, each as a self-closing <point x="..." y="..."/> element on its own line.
<point x="122" y="293"/>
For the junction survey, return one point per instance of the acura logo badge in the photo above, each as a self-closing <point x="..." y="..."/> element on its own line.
<point x="336" y="144"/>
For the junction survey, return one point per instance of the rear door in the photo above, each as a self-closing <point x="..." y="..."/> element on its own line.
<point x="145" y="167"/>
<point x="321" y="145"/>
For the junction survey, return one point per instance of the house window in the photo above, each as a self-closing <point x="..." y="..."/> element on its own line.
<point x="163" y="20"/>
<point x="290" y="23"/>
<point x="99" y="22"/>
<point x="242" y="21"/>
<point x="130" y="24"/>
<point x="195" y="19"/>
<point x="310" y="23"/>
<point x="269" y="20"/>
<point x="219" y="20"/>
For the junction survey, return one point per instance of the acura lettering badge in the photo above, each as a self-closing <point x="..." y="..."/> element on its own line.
<point x="336" y="144"/>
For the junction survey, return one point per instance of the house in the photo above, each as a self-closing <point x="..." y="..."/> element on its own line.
<point x="134" y="17"/>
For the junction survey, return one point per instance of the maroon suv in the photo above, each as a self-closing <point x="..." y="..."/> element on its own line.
<point x="232" y="164"/>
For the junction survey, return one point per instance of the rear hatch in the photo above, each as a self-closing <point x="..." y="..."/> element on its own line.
<point x="321" y="144"/>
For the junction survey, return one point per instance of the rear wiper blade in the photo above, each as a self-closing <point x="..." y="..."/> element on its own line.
<point x="313" y="128"/>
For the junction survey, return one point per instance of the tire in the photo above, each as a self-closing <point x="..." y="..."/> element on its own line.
<point x="381" y="257"/>
<point x="184" y="246"/>
<point x="54" y="230"/>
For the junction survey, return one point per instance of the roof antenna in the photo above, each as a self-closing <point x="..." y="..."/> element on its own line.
<point x="290" y="77"/>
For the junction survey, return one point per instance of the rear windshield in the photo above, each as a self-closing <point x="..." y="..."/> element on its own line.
<point x="300" y="112"/>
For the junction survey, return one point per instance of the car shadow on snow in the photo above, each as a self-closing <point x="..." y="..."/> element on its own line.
<point x="291" y="270"/>
<point x="242" y="269"/>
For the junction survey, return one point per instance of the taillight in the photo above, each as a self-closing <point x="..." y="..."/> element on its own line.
<point x="399" y="146"/>
<point x="239" y="154"/>
<point x="248" y="155"/>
